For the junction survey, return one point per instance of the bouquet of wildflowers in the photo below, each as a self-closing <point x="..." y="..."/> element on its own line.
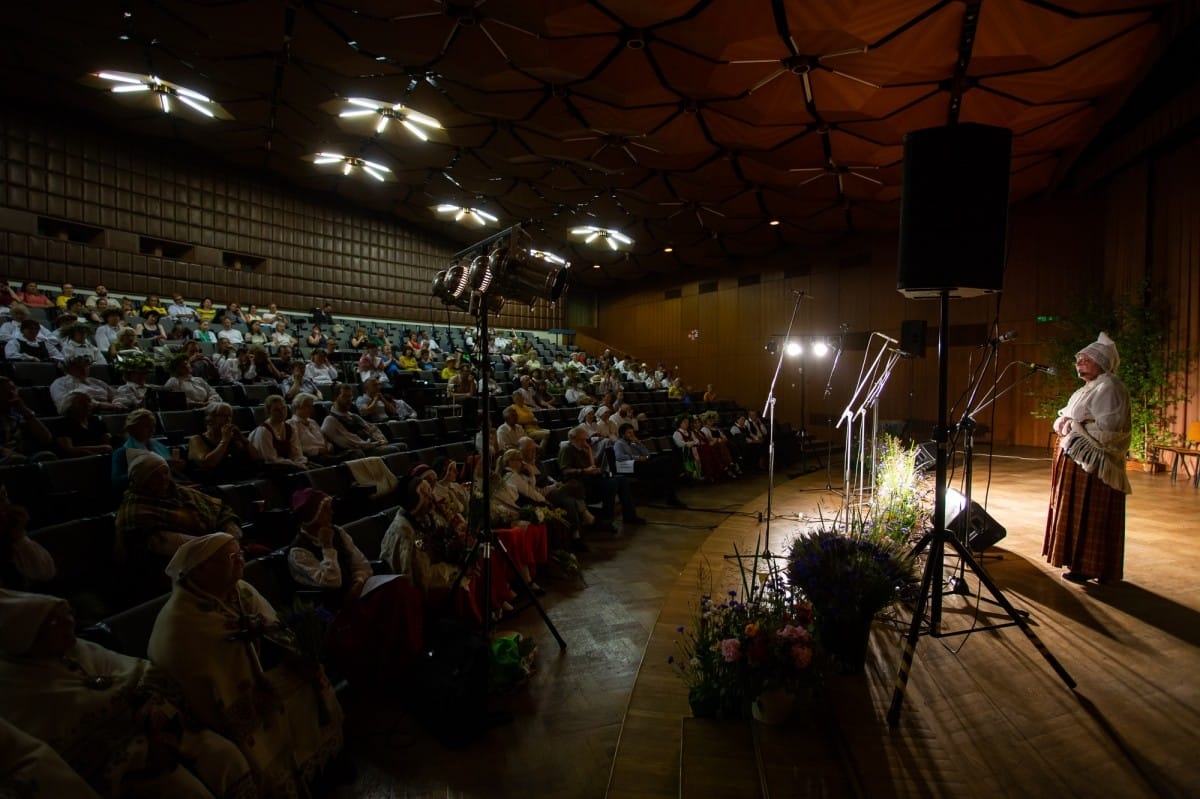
<point x="541" y="514"/>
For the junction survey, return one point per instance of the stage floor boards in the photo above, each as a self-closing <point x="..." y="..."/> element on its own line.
<point x="984" y="715"/>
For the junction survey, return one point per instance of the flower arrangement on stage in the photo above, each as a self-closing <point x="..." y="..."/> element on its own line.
<point x="737" y="649"/>
<point x="849" y="578"/>
<point x="901" y="506"/>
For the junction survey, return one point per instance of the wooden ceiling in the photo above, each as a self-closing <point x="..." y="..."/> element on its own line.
<point x="686" y="124"/>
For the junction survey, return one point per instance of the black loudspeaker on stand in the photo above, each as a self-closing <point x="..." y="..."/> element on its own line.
<point x="953" y="229"/>
<point x="976" y="528"/>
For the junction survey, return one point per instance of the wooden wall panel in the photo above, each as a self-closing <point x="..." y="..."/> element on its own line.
<point x="313" y="250"/>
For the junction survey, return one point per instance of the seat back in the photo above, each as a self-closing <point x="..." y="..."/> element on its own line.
<point x="33" y="373"/>
<point x="367" y="533"/>
<point x="179" y="426"/>
<point x="79" y="483"/>
<point x="130" y="629"/>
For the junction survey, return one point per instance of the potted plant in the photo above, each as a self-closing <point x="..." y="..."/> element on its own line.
<point x="849" y="577"/>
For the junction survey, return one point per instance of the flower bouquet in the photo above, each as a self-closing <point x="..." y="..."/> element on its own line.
<point x="736" y="651"/>
<point x="848" y="578"/>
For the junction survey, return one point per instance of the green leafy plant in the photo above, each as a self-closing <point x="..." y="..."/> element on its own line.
<point x="897" y="510"/>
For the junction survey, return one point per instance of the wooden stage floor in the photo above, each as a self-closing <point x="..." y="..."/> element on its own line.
<point x="984" y="714"/>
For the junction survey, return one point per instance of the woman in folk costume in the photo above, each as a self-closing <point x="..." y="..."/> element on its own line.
<point x="1085" y="530"/>
<point x="376" y="631"/>
<point x="157" y="515"/>
<point x="241" y="671"/>
<point x="112" y="718"/>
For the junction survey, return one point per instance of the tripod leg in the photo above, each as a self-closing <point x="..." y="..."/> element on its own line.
<point x="932" y="565"/>
<point x="1017" y="618"/>
<point x="562" y="644"/>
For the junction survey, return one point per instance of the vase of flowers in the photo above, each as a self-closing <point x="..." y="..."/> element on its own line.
<point x="747" y="652"/>
<point x="848" y="578"/>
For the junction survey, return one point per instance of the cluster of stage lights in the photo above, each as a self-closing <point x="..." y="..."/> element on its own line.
<point x="794" y="348"/>
<point x="350" y="163"/>
<point x="511" y="270"/>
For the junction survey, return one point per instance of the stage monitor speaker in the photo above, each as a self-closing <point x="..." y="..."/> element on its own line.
<point x="954" y="211"/>
<point x="982" y="531"/>
<point x="912" y="337"/>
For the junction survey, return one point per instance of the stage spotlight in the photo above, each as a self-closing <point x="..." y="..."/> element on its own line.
<point x="820" y="349"/>
<point x="512" y="272"/>
<point x="450" y="286"/>
<point x="793" y="348"/>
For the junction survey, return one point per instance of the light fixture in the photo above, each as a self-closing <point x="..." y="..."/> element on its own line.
<point x="793" y="349"/>
<point x="668" y="249"/>
<point x="510" y="269"/>
<point x="774" y="223"/>
<point x="820" y="349"/>
<point x="595" y="266"/>
<point x="350" y="163"/>
<point x="162" y="93"/>
<point x="381" y="114"/>
<point x="614" y="238"/>
<point x="466" y="215"/>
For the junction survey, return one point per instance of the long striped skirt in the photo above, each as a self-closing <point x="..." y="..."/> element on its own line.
<point x="1085" y="530"/>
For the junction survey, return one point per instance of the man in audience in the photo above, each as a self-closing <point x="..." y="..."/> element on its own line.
<point x="68" y="291"/>
<point x="298" y="382"/>
<point x="178" y="310"/>
<point x="234" y="312"/>
<point x="196" y="390"/>
<point x="323" y="314"/>
<point x="346" y="430"/>
<point x="228" y="331"/>
<point x="76" y="379"/>
<point x="239" y="369"/>
<point x="31" y="345"/>
<point x="101" y="294"/>
<point x="17" y="313"/>
<point x="132" y="395"/>
<point x="634" y="460"/>
<point x="375" y="406"/>
<point x="579" y="468"/>
<point x="22" y="435"/>
<point x="510" y="432"/>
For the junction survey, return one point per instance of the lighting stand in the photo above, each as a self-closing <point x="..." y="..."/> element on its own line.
<point x="939" y="537"/>
<point x="478" y="281"/>
<point x="769" y="414"/>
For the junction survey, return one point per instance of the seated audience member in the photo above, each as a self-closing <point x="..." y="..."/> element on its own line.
<point x="451" y="367"/>
<point x="239" y="369"/>
<point x="282" y="362"/>
<point x="576" y="393"/>
<point x="574" y="508"/>
<point x="79" y="432"/>
<point x="298" y="381"/>
<point x="33" y="297"/>
<point x="746" y="443"/>
<point x="101" y="293"/>
<point x="510" y="431"/>
<point x="125" y="344"/>
<point x="387" y="363"/>
<point x="203" y="366"/>
<point x="710" y="393"/>
<point x="23" y="436"/>
<point x="153" y="303"/>
<point x="375" y="406"/>
<point x="204" y="333"/>
<point x="157" y="516"/>
<point x="580" y="470"/>
<point x="106" y="334"/>
<point x="17" y="314"/>
<point x="425" y="362"/>
<point x="129" y="309"/>
<point x="281" y="337"/>
<point x="76" y="379"/>
<point x="275" y="441"/>
<point x="132" y="394"/>
<point x="308" y="433"/>
<point x="359" y="339"/>
<point x="228" y="331"/>
<point x="140" y="427"/>
<point x="255" y="336"/>
<point x="657" y="472"/>
<point x="179" y="311"/>
<point x="346" y="430"/>
<point x="30" y="345"/>
<point x="379" y="337"/>
<point x="322" y="315"/>
<point x="320" y="370"/>
<point x="206" y="312"/>
<point x="370" y="365"/>
<point x="75" y="344"/>
<point x="527" y="420"/>
<point x="251" y="314"/>
<point x="226" y="349"/>
<point x="241" y="671"/>
<point x="316" y="339"/>
<point x="150" y="330"/>
<point x="408" y="360"/>
<point x="376" y="632"/>
<point x="712" y="433"/>
<point x="23" y="561"/>
<point x="234" y="312"/>
<point x="7" y="295"/>
<point x="221" y="454"/>
<point x="65" y="295"/>
<point x="197" y="392"/>
<point x="110" y="717"/>
<point x="462" y="390"/>
<point x="179" y="333"/>
<point x="272" y="316"/>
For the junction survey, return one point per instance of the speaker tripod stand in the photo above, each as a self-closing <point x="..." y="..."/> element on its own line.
<point x="939" y="537"/>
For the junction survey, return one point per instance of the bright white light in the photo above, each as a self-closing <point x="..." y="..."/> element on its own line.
<point x="355" y="113"/>
<point x="619" y="236"/>
<point x="611" y="243"/>
<point x="548" y="256"/>
<point x="165" y="102"/>
<point x="793" y="348"/>
<point x="383" y="120"/>
<point x="820" y="349"/>
<point x="141" y="87"/>
<point x="362" y="102"/>
<point x="118" y="78"/>
<point x="377" y="175"/>
<point x="346" y="169"/>
<point x="374" y="165"/>
<point x="579" y="231"/>
<point x="487" y="216"/>
<point x="414" y="130"/>
<point x="189" y="93"/>
<point x="461" y="213"/>
<point x="419" y="118"/>
<point x="193" y="104"/>
<point x="594" y="235"/>
<point x="446" y="208"/>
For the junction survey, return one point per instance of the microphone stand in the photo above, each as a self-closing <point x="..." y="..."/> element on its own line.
<point x="867" y="381"/>
<point x="769" y="414"/>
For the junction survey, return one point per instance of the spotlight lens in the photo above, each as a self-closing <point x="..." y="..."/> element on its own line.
<point x="820" y="349"/>
<point x="793" y="348"/>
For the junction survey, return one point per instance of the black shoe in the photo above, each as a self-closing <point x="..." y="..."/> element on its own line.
<point x="1075" y="577"/>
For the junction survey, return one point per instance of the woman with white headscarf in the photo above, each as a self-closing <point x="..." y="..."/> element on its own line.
<point x="1085" y="530"/>
<point x="241" y="670"/>
<point x="110" y="717"/>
